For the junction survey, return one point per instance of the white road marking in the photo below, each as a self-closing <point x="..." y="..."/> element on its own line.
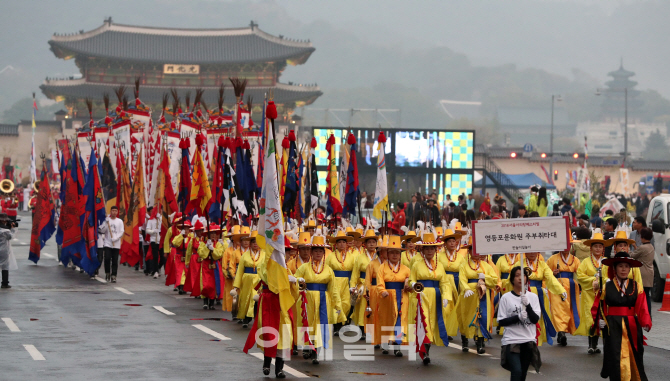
<point x="287" y="368"/>
<point x="664" y="312"/>
<point x="15" y="239"/>
<point x="10" y="324"/>
<point x="210" y="332"/>
<point x="163" y="310"/>
<point x="48" y="255"/>
<point x="124" y="290"/>
<point x="100" y="279"/>
<point x="34" y="353"/>
<point x="22" y="243"/>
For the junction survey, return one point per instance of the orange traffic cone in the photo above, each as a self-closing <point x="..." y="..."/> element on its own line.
<point x="666" y="295"/>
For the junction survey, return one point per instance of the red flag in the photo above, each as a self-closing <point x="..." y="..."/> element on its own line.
<point x="43" y="218"/>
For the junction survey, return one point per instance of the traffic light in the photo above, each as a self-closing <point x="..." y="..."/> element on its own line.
<point x="555" y="174"/>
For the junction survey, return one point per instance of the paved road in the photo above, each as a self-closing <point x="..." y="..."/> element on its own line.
<point x="66" y="326"/>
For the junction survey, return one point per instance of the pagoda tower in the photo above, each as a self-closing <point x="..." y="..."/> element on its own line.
<point x="115" y="55"/>
<point x="613" y="106"/>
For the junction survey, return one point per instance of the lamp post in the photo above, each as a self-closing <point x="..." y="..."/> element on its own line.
<point x="554" y="99"/>
<point x="625" y="125"/>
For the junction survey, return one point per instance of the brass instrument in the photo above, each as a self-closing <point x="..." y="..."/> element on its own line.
<point x="302" y="285"/>
<point x="36" y="186"/>
<point x="418" y="287"/>
<point x="368" y="310"/>
<point x="6" y="186"/>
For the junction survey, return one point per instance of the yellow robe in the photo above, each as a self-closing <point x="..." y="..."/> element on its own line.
<point x="543" y="274"/>
<point x="166" y="241"/>
<point x="229" y="271"/>
<point x="407" y="257"/>
<point x="333" y="303"/>
<point x="452" y="266"/>
<point x="504" y="266"/>
<point x="295" y="263"/>
<point x="467" y="307"/>
<point x="371" y="284"/>
<point x="586" y="274"/>
<point x="335" y="262"/>
<point x="562" y="313"/>
<point x="388" y="307"/>
<point x="429" y="303"/>
<point x="357" y="280"/>
<point x="246" y="282"/>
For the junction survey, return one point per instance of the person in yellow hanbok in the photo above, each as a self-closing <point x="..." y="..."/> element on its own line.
<point x="451" y="260"/>
<point x="410" y="252"/>
<point x="475" y="304"/>
<point x="229" y="265"/>
<point x="436" y="296"/>
<point x="372" y="319"/>
<point x="247" y="278"/>
<point x="393" y="287"/>
<point x="565" y="315"/>
<point x="541" y="275"/>
<point x="504" y="266"/>
<point x="342" y="263"/>
<point x="323" y="302"/>
<point x="587" y="276"/>
<point x="621" y="242"/>
<point x="304" y="256"/>
<point x="358" y="275"/>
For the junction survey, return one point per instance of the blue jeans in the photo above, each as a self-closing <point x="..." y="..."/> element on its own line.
<point x="519" y="362"/>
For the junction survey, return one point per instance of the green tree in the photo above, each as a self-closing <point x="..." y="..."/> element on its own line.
<point x="23" y="110"/>
<point x="656" y="148"/>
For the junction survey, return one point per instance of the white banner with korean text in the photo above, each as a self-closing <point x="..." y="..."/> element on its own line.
<point x="520" y="235"/>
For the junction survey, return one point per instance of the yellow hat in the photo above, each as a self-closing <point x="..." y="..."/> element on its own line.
<point x="621" y="236"/>
<point x="394" y="242"/>
<point x="304" y="239"/>
<point x="238" y="231"/>
<point x="450" y="234"/>
<point x="319" y="241"/>
<point x="383" y="242"/>
<point x="370" y="233"/>
<point x="459" y="228"/>
<point x="428" y="239"/>
<point x="350" y="231"/>
<point x="341" y="234"/>
<point x="469" y="242"/>
<point x="250" y="236"/>
<point x="410" y="234"/>
<point x="310" y="224"/>
<point x="597" y="237"/>
<point x="439" y="231"/>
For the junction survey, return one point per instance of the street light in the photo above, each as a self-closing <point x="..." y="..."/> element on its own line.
<point x="625" y="128"/>
<point x="554" y="99"/>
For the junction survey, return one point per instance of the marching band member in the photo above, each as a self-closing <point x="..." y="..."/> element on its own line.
<point x="565" y="315"/>
<point x="588" y="277"/>
<point x="304" y="256"/>
<point x="181" y="244"/>
<point x="247" y="278"/>
<point x="342" y="263"/>
<point x="541" y="274"/>
<point x="359" y="275"/>
<point x="371" y="271"/>
<point x="211" y="275"/>
<point x="451" y="261"/>
<point x="475" y="305"/>
<point x="392" y="287"/>
<point x="231" y="257"/>
<point x="351" y="245"/>
<point x="621" y="242"/>
<point x="436" y="302"/>
<point x="409" y="239"/>
<point x="624" y="315"/>
<point x="504" y="266"/>
<point x="323" y="300"/>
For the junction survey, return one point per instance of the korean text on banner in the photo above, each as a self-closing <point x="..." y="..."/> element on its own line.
<point x="520" y="235"/>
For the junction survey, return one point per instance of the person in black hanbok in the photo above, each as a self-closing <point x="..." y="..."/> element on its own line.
<point x="621" y="311"/>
